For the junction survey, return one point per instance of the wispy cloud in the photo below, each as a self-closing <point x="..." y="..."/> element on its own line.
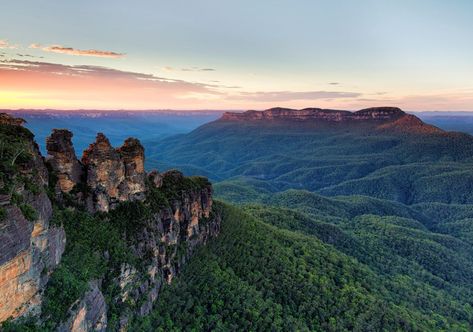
<point x="171" y="69"/>
<point x="197" y="69"/>
<point x="334" y="83"/>
<point x="29" y="56"/>
<point x="78" y="52"/>
<point x="5" y="44"/>
<point x="279" y="96"/>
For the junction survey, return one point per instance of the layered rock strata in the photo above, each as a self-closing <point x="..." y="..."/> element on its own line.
<point x="30" y="247"/>
<point x="63" y="160"/>
<point x="180" y="219"/>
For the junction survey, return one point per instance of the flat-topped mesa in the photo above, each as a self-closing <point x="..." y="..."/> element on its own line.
<point x="114" y="175"/>
<point x="379" y="113"/>
<point x="63" y="160"/>
<point x="278" y="113"/>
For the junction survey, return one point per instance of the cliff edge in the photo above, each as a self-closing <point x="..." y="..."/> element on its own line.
<point x="138" y="228"/>
<point x="381" y="118"/>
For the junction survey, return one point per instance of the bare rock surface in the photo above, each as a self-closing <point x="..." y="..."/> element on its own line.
<point x="63" y="159"/>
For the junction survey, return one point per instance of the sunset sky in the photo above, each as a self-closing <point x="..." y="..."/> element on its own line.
<point x="218" y="54"/>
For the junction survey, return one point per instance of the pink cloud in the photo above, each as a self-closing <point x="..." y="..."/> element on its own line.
<point x="74" y="51"/>
<point x="5" y="44"/>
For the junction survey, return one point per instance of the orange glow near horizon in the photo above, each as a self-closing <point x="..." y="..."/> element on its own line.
<point x="38" y="85"/>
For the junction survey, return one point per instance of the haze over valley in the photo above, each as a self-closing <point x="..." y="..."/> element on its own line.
<point x="302" y="165"/>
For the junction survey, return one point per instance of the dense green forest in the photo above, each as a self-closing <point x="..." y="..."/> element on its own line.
<point x="278" y="269"/>
<point x="321" y="209"/>
<point x="322" y="230"/>
<point x="332" y="160"/>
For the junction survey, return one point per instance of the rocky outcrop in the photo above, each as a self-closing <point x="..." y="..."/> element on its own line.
<point x="105" y="172"/>
<point x="29" y="249"/>
<point x="168" y="240"/>
<point x="63" y="160"/>
<point x="317" y="114"/>
<point x="89" y="314"/>
<point x="178" y="219"/>
<point x="114" y="175"/>
<point x="378" y="118"/>
<point x="133" y="156"/>
<point x="7" y="119"/>
<point x="156" y="179"/>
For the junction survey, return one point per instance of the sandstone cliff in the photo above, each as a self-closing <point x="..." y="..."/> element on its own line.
<point x="161" y="218"/>
<point x="107" y="175"/>
<point x="30" y="248"/>
<point x="381" y="118"/>
<point x="168" y="239"/>
<point x="63" y="159"/>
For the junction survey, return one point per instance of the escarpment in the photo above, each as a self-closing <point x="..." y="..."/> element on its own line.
<point x="158" y="220"/>
<point x="380" y="118"/>
<point x="30" y="247"/>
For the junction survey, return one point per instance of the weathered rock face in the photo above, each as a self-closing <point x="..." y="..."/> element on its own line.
<point x="7" y="119"/>
<point x="29" y="249"/>
<point x="133" y="156"/>
<point x="178" y="217"/>
<point x="63" y="159"/>
<point x="167" y="242"/>
<point x="379" y="118"/>
<point x="114" y="175"/>
<point x="105" y="172"/>
<point x="375" y="113"/>
<point x="156" y="178"/>
<point x="90" y="314"/>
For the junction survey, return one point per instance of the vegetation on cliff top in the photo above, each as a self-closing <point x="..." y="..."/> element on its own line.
<point x="398" y="256"/>
<point x="256" y="276"/>
<point x="333" y="160"/>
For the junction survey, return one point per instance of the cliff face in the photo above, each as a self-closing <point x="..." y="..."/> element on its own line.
<point x="30" y="248"/>
<point x="89" y="314"/>
<point x="114" y="175"/>
<point x="63" y="159"/>
<point x="110" y="175"/>
<point x="176" y="216"/>
<point x="168" y="240"/>
<point x="380" y="117"/>
<point x="377" y="113"/>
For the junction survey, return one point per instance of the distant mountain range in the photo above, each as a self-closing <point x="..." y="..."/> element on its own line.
<point x="384" y="153"/>
<point x="330" y="221"/>
<point x="117" y="125"/>
<point x="382" y="188"/>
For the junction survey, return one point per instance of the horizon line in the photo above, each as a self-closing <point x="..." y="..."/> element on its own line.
<point x="157" y="110"/>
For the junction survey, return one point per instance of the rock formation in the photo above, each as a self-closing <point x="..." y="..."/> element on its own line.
<point x="7" y="119"/>
<point x="133" y="156"/>
<point x="378" y="118"/>
<point x="90" y="314"/>
<point x="278" y="113"/>
<point x="167" y="241"/>
<point x="114" y="175"/>
<point x="29" y="249"/>
<point x="179" y="219"/>
<point x="63" y="159"/>
<point x="156" y="178"/>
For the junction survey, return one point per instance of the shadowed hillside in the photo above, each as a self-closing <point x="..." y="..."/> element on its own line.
<point x="382" y="152"/>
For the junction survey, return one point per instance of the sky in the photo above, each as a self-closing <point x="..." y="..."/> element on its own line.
<point x="219" y="54"/>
